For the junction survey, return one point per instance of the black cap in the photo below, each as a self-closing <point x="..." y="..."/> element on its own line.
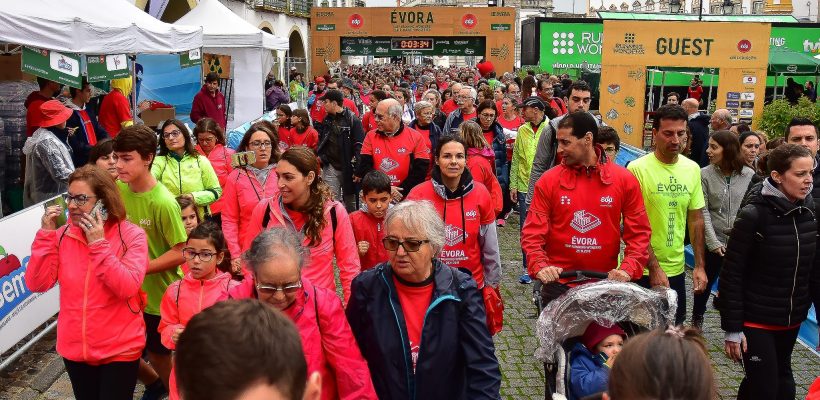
<point x="334" y="95"/>
<point x="533" y="101"/>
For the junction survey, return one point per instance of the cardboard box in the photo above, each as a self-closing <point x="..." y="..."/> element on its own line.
<point x="154" y="118"/>
<point x="10" y="68"/>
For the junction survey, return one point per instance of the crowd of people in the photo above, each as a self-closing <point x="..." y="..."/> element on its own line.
<point x="397" y="178"/>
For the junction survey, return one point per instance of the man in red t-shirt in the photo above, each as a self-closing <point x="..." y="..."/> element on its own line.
<point x="450" y="105"/>
<point x="466" y="98"/>
<point x="47" y="91"/>
<point x="395" y="149"/>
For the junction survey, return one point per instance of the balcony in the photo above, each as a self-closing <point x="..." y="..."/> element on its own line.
<point x="299" y="8"/>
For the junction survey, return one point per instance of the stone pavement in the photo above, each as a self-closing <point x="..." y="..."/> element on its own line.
<point x="39" y="375"/>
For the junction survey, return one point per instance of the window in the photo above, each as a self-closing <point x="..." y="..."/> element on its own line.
<point x="650" y="6"/>
<point x="757" y="7"/>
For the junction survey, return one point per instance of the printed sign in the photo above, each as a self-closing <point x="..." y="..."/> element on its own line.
<point x="106" y="67"/>
<point x="747" y="96"/>
<point x="733" y="96"/>
<point x="746" y="104"/>
<point x="190" y="58"/>
<point x="63" y="68"/>
<point x="749" y="80"/>
<point x="732" y="104"/>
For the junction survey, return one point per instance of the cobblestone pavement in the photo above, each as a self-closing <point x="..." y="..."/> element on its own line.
<point x="39" y="374"/>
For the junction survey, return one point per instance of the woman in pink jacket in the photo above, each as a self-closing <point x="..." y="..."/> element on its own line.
<point x="206" y="284"/>
<point x="276" y="259"/>
<point x="99" y="261"/>
<point x="248" y="185"/>
<point x="304" y="204"/>
<point x="210" y="141"/>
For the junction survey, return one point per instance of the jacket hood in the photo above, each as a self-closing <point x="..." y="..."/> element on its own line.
<point x="125" y="85"/>
<point x="465" y="185"/>
<point x="485" y="152"/>
<point x="40" y="135"/>
<point x="767" y="194"/>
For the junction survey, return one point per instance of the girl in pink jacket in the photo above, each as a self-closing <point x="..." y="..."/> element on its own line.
<point x="99" y="260"/>
<point x="248" y="185"/>
<point x="278" y="260"/>
<point x="305" y="204"/>
<point x="210" y="139"/>
<point x="202" y="287"/>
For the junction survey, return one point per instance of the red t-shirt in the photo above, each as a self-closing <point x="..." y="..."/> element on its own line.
<point x="391" y="155"/>
<point x="414" y="301"/>
<point x="489" y="136"/>
<point x="468" y="117"/>
<point x="695" y="93"/>
<point x="370" y="229"/>
<point x="309" y="138"/>
<point x="449" y="106"/>
<point x="512" y="124"/>
<point x="369" y="122"/>
<point x="461" y="246"/>
<point x="114" y="110"/>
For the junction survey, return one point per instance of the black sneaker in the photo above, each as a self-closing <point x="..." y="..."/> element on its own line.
<point x="155" y="391"/>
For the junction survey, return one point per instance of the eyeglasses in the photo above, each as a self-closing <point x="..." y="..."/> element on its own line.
<point x="260" y="145"/>
<point x="210" y="139"/>
<point x="171" y="135"/>
<point x="269" y="290"/>
<point x="410" y="245"/>
<point x="204" y="256"/>
<point x="79" y="199"/>
<point x="488" y="116"/>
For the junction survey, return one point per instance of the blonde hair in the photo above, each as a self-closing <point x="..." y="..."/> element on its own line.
<point x="472" y="135"/>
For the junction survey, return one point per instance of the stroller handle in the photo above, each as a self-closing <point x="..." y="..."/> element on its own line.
<point x="583" y="275"/>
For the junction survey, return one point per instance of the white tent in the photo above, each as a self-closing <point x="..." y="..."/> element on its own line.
<point x="250" y="49"/>
<point x="92" y="27"/>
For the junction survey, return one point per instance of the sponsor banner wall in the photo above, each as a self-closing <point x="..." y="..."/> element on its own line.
<point x="21" y="311"/>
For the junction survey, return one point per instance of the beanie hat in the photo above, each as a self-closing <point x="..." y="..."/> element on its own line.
<point x="595" y="333"/>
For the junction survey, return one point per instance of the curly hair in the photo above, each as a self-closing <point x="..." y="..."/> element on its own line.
<point x="303" y="159"/>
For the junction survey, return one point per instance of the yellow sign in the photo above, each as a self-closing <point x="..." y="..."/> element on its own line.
<point x="494" y="25"/>
<point x="739" y="50"/>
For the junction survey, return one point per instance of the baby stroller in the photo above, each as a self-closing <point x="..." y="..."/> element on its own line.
<point x="605" y="302"/>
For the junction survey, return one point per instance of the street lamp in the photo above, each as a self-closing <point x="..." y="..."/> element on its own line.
<point x="728" y="7"/>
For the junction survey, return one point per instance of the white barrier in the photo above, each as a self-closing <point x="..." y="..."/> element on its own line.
<point x="21" y="311"/>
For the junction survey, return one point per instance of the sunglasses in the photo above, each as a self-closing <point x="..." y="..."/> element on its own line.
<point x="409" y="245"/>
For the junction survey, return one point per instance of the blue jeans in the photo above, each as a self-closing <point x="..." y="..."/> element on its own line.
<point x="523" y="207"/>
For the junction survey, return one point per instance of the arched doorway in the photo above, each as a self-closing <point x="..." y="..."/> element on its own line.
<point x="295" y="56"/>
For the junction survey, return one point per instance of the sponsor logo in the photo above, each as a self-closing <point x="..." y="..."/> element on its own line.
<point x="747" y="104"/>
<point x="355" y="21"/>
<point x="500" y="27"/>
<point x="500" y="14"/>
<point x="777" y="41"/>
<point x="583" y="222"/>
<point x="454" y="235"/>
<point x="747" y="96"/>
<point x="628" y="46"/>
<point x="745" y="112"/>
<point x="607" y="200"/>
<point x="749" y="80"/>
<point x="326" y="27"/>
<point x="733" y="111"/>
<point x="194" y="54"/>
<point x="382" y="50"/>
<point x="321" y="14"/>
<point x="811" y="47"/>
<point x="402" y="150"/>
<point x="744" y="46"/>
<point x="566" y="200"/>
<point x="471" y="214"/>
<point x="571" y="43"/>
<point x="61" y="63"/>
<point x="745" y="121"/>
<point x="469" y="21"/>
<point x="733" y="95"/>
<point x="732" y="104"/>
<point x="469" y="51"/>
<point x="388" y="164"/>
<point x="116" y="62"/>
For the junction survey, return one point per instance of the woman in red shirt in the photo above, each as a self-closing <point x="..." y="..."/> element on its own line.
<point x="510" y="121"/>
<point x="283" y="123"/>
<point x="210" y="141"/>
<point x="300" y="133"/>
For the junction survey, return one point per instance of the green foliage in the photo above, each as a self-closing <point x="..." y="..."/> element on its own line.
<point x="778" y="114"/>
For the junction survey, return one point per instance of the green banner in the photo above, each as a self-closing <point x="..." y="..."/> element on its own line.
<point x="326" y="27"/>
<point x="500" y="27"/>
<point x="62" y="68"/>
<point x="190" y="58"/>
<point x="106" y="67"/>
<point x="386" y="47"/>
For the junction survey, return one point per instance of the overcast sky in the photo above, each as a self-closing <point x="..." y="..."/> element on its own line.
<point x="381" y="3"/>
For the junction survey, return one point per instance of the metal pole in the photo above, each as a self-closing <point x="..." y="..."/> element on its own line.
<point x="651" y="100"/>
<point x="133" y="87"/>
<point x="774" y="95"/>
<point x="663" y="86"/>
<point x="22" y="350"/>
<point x="711" y="84"/>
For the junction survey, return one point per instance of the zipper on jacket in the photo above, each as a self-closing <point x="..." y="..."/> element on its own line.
<point x="179" y="174"/>
<point x="201" y="292"/>
<point x="411" y="388"/>
<point x="85" y="309"/>
<point x="796" y="266"/>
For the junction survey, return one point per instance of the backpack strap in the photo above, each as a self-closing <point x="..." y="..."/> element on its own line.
<point x="333" y="222"/>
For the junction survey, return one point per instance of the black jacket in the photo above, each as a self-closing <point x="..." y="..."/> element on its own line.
<point x="78" y="141"/>
<point x="416" y="175"/>
<point x="769" y="275"/>
<point x="457" y="356"/>
<point x="348" y="131"/>
<point x="699" y="126"/>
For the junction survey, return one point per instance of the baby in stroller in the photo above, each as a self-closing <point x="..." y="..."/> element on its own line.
<point x="591" y="359"/>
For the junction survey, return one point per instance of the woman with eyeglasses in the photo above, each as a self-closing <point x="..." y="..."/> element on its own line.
<point x="277" y="260"/>
<point x="248" y="185"/>
<point x="207" y="283"/>
<point x="420" y="323"/>
<point x="468" y="212"/>
<point x="487" y="119"/>
<point x="434" y="97"/>
<point x="424" y="124"/>
<point x="182" y="170"/>
<point x="210" y="139"/>
<point x="99" y="260"/>
<point x="304" y="204"/>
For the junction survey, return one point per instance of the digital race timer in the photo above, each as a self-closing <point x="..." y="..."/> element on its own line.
<point x="411" y="44"/>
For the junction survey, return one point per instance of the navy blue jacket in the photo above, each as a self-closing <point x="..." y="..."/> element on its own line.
<point x="78" y="142"/>
<point x="457" y="355"/>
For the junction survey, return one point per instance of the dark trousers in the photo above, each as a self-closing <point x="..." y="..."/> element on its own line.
<point x="768" y="365"/>
<point x="678" y="284"/>
<point x="523" y="207"/>
<point x="112" y="381"/>
<point x="713" y="263"/>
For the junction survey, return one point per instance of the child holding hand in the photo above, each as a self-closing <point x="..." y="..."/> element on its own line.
<point x="592" y="358"/>
<point x="368" y="223"/>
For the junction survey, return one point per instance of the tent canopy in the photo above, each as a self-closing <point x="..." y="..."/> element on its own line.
<point x="92" y="27"/>
<point x="784" y="60"/>
<point x="222" y="28"/>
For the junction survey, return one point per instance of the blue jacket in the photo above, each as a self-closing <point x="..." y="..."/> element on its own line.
<point x="588" y="375"/>
<point x="457" y="356"/>
<point x="499" y="145"/>
<point x="78" y="142"/>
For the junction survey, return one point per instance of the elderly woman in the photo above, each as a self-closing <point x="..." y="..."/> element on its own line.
<point x="425" y="112"/>
<point x="276" y="258"/>
<point x="434" y="97"/>
<point x="413" y="295"/>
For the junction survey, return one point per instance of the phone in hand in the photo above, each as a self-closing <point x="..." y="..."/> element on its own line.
<point x="62" y="219"/>
<point x="242" y="159"/>
<point x="99" y="208"/>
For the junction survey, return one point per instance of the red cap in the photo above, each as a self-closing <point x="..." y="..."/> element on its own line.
<point x="596" y="333"/>
<point x="53" y="113"/>
<point x="319" y="79"/>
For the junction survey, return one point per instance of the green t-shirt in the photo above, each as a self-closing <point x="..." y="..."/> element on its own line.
<point x="669" y="192"/>
<point x="157" y="212"/>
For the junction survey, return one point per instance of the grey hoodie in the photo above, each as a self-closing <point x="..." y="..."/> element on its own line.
<point x="48" y="165"/>
<point x="723" y="200"/>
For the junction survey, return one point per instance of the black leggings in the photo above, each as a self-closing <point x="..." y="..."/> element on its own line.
<point x="112" y="381"/>
<point x="713" y="263"/>
<point x="768" y="365"/>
